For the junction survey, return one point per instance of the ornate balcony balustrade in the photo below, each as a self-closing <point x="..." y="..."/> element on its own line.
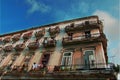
<point x="8" y="48"/>
<point x="0" y="39"/>
<point x="16" y="37"/>
<point x="19" y="47"/>
<point x="0" y="49"/>
<point x="51" y="42"/>
<point x="26" y="36"/>
<point x="54" y="31"/>
<point x="80" y="67"/>
<point x="33" y="45"/>
<point x="83" y="26"/>
<point x="63" y="71"/>
<point x="40" y="33"/>
<point x="82" y="39"/>
<point x="6" y="39"/>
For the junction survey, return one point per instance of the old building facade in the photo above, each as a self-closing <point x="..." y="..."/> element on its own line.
<point x="78" y="44"/>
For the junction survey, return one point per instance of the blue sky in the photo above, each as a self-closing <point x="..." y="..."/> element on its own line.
<point x="18" y="15"/>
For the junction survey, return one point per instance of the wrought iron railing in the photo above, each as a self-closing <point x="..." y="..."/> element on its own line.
<point x="16" y="37"/>
<point x="40" y="33"/>
<point x="19" y="47"/>
<point x="7" y="39"/>
<point x="96" y="66"/>
<point x="82" y="38"/>
<point x="8" y="48"/>
<point x="49" y="43"/>
<point x="54" y="31"/>
<point x="61" y="70"/>
<point x="78" y="27"/>
<point x="33" y="45"/>
<point x="27" y="35"/>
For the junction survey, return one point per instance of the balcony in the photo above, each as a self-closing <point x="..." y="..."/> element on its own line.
<point x="6" y="39"/>
<point x="81" y="27"/>
<point x="0" y="39"/>
<point x="0" y="49"/>
<point x="69" y="40"/>
<point x="16" y="37"/>
<point x="8" y="48"/>
<point x="40" y="33"/>
<point x="26" y="36"/>
<point x="54" y="31"/>
<point x="49" y="42"/>
<point x="80" y="67"/>
<point x="19" y="47"/>
<point x="68" y="72"/>
<point x="33" y="45"/>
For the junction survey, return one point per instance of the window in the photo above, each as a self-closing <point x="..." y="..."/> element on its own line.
<point x="67" y="58"/>
<point x="89" y="58"/>
<point x="87" y="34"/>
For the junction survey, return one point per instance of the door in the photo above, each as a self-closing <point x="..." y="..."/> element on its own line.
<point x="45" y="59"/>
<point x="88" y="59"/>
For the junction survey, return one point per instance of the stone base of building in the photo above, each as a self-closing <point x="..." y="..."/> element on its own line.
<point x="61" y="75"/>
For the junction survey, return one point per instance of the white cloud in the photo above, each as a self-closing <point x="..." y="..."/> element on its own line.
<point x="111" y="29"/>
<point x="36" y="6"/>
<point x="111" y="25"/>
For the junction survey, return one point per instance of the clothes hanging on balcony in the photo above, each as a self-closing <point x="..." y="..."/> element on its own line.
<point x="34" y="66"/>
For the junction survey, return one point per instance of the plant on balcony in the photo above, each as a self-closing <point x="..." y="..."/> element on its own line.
<point x="54" y="31"/>
<point x="16" y="38"/>
<point x="27" y="36"/>
<point x="6" y="40"/>
<point x="65" y="68"/>
<point x="73" y="28"/>
<point x="8" y="48"/>
<point x="49" y="42"/>
<point x="19" y="47"/>
<point x="40" y="33"/>
<point x="33" y="45"/>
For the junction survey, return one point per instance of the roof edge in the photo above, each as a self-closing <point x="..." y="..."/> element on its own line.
<point x="47" y="25"/>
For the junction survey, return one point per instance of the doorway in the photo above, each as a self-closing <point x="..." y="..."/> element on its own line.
<point x="89" y="59"/>
<point x="45" y="59"/>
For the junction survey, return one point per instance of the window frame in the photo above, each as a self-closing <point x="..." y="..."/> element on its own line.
<point x="69" y="63"/>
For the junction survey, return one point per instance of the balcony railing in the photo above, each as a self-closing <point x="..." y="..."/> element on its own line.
<point x="33" y="45"/>
<point x="40" y="33"/>
<point x="6" y="40"/>
<point x="19" y="47"/>
<point x="8" y="48"/>
<point x="1" y="49"/>
<point x="54" y="31"/>
<point x="80" y="27"/>
<point x="75" y="68"/>
<point x="0" y="39"/>
<point x="51" y="42"/>
<point x="27" y="36"/>
<point x="16" y="37"/>
<point x="63" y="72"/>
<point x="82" y="39"/>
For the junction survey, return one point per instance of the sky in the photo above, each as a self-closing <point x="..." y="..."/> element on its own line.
<point x="16" y="15"/>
